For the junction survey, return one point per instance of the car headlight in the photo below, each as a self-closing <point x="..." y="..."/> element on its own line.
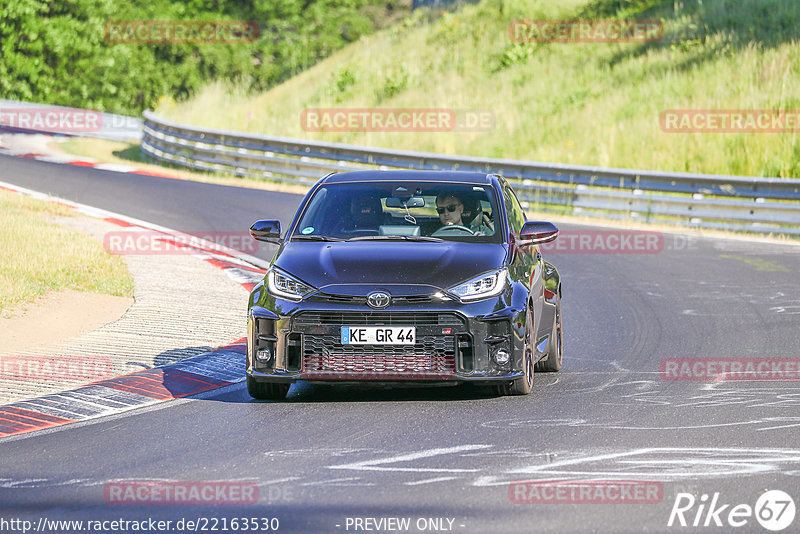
<point x="481" y="287"/>
<point x="286" y="286"/>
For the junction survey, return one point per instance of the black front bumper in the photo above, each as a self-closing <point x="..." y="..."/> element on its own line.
<point x="453" y="344"/>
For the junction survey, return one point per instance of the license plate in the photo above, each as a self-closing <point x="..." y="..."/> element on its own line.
<point x="379" y="335"/>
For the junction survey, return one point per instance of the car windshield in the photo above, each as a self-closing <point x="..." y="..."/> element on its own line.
<point x="402" y="211"/>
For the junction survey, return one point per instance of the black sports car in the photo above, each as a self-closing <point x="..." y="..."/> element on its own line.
<point x="405" y="276"/>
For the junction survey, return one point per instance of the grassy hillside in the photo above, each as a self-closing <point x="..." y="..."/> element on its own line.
<point x="588" y="103"/>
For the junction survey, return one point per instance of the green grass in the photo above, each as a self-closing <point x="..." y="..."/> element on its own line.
<point x="591" y="104"/>
<point x="37" y="255"/>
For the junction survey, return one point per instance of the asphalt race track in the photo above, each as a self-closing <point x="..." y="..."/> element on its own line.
<point x="444" y="457"/>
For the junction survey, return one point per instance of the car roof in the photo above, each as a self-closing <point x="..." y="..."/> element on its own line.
<point x="409" y="176"/>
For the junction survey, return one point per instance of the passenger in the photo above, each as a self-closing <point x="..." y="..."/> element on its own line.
<point x="474" y="217"/>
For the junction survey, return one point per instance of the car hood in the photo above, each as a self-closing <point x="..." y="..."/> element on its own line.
<point x="361" y="266"/>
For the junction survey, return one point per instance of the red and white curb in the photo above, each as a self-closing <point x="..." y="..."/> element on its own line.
<point x="212" y="370"/>
<point x="66" y="159"/>
<point x="242" y="268"/>
<point x="198" y="374"/>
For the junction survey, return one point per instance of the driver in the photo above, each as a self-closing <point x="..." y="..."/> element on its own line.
<point x="450" y="209"/>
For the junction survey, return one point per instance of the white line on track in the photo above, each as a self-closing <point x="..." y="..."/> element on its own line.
<point x="430" y="481"/>
<point x="378" y="465"/>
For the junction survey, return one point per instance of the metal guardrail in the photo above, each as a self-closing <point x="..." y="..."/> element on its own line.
<point x="762" y="205"/>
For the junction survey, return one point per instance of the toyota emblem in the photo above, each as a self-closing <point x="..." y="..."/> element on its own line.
<point x="378" y="299"/>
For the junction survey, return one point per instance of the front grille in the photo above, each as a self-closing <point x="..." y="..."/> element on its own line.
<point x="338" y="299"/>
<point x="362" y="301"/>
<point x="416" y="299"/>
<point x="430" y="357"/>
<point x="377" y="318"/>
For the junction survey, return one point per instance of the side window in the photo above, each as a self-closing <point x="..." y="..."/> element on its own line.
<point x="516" y="217"/>
<point x="523" y="217"/>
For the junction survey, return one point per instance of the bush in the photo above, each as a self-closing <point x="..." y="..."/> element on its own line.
<point x="56" y="52"/>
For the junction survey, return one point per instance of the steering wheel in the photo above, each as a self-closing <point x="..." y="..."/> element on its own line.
<point x="448" y="230"/>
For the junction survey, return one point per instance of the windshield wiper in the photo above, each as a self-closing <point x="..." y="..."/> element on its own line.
<point x="396" y="237"/>
<point x="315" y="238"/>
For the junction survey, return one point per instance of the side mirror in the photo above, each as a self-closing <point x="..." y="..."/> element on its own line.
<point x="536" y="233"/>
<point x="269" y="231"/>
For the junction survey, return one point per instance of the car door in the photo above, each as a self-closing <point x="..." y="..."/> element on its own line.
<point x="526" y="261"/>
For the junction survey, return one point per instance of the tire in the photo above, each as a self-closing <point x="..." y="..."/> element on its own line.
<point x="266" y="390"/>
<point x="524" y="384"/>
<point x="556" y="354"/>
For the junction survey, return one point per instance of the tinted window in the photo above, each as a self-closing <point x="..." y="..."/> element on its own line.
<point x="516" y="216"/>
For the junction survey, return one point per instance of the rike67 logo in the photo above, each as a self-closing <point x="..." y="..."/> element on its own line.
<point x="774" y="510"/>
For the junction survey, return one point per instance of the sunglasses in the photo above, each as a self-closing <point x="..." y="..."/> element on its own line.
<point x="451" y="208"/>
